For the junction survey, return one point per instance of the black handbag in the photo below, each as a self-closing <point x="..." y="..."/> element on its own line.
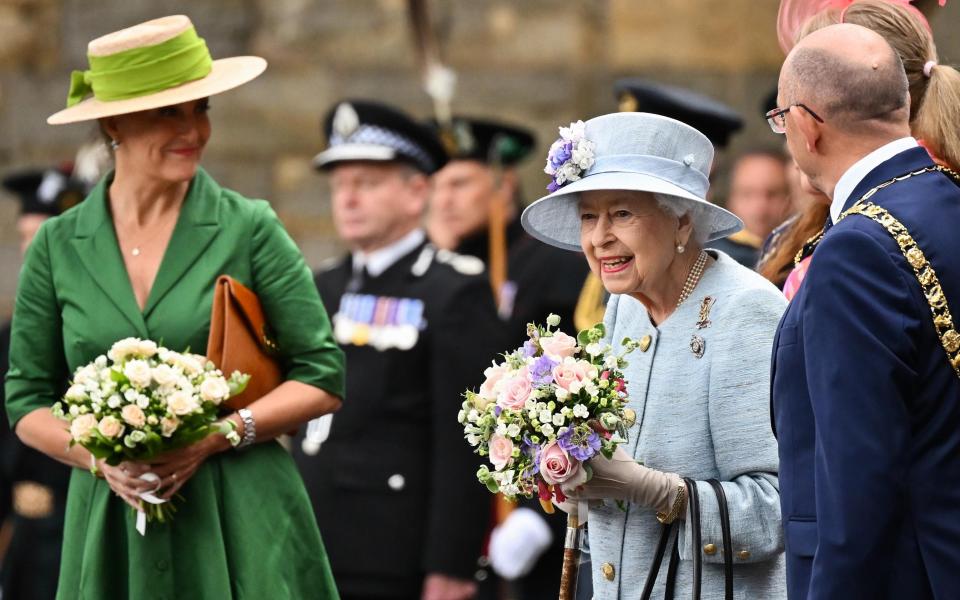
<point x="673" y="530"/>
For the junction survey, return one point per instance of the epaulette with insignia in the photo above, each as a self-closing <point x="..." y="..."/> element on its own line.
<point x="461" y="263"/>
<point x="329" y="264"/>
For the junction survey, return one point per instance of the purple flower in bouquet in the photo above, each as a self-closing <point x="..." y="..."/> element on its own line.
<point x="533" y="451"/>
<point x="541" y="373"/>
<point x="582" y="443"/>
<point x="529" y="349"/>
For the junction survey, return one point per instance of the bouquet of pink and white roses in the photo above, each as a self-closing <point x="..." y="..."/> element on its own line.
<point x="141" y="400"/>
<point x="549" y="407"/>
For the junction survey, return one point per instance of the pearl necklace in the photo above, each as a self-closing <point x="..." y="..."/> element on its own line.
<point x="693" y="277"/>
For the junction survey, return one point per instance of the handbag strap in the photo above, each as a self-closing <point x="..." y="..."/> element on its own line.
<point x="671" y="584"/>
<point x="694" y="499"/>
<point x="727" y="543"/>
<point x="665" y="531"/>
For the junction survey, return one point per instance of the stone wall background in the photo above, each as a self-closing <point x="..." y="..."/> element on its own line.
<point x="539" y="62"/>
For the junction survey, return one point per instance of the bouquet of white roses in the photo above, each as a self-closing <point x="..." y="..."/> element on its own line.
<point x="141" y="400"/>
<point x="549" y="407"/>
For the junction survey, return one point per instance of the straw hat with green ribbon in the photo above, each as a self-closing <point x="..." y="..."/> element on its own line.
<point x="150" y="65"/>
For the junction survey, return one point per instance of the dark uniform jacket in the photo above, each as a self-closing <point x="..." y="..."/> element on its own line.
<point x="541" y="280"/>
<point x="394" y="486"/>
<point x="34" y="489"/>
<point x="867" y="406"/>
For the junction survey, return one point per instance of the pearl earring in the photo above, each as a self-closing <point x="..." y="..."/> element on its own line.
<point x="114" y="144"/>
<point x="680" y="248"/>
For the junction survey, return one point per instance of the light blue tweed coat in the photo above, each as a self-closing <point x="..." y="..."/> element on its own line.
<point x="702" y="418"/>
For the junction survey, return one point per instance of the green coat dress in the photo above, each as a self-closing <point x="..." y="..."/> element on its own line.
<point x="246" y="528"/>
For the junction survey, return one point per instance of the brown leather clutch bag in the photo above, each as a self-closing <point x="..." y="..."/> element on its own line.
<point x="239" y="340"/>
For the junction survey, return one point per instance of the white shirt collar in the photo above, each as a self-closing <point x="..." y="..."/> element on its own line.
<point x="860" y="169"/>
<point x="380" y="260"/>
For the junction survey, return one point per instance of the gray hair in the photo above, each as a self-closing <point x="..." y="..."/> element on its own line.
<point x="677" y="207"/>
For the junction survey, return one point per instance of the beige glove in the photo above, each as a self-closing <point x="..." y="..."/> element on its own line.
<point x="622" y="478"/>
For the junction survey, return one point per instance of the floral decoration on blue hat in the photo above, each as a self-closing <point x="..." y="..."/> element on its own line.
<point x="569" y="156"/>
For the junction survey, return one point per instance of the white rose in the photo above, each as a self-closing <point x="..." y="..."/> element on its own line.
<point x="131" y="395"/>
<point x="546" y="429"/>
<point x="581" y="411"/>
<point x="513" y="430"/>
<point x="168" y="425"/>
<point x="82" y="427"/>
<point x="123" y="348"/>
<point x="114" y="401"/>
<point x="138" y="372"/>
<point x="133" y="415"/>
<point x="110" y="427"/>
<point x="146" y="348"/>
<point x="545" y="416"/>
<point x="164" y="375"/>
<point x="182" y="403"/>
<point x="558" y="420"/>
<point x="76" y="393"/>
<point x="214" y="389"/>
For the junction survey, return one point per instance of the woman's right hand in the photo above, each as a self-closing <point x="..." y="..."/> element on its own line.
<point x="124" y="480"/>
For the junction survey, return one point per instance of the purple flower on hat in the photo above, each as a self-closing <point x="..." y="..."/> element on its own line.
<point x="581" y="442"/>
<point x="569" y="156"/>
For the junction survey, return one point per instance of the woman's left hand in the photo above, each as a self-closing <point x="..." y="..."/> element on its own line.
<point x="175" y="468"/>
<point x="622" y="478"/>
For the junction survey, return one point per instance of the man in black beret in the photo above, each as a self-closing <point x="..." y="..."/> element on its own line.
<point x="392" y="480"/>
<point x="474" y="210"/>
<point x="33" y="487"/>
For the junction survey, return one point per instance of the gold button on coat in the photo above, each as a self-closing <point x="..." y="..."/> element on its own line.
<point x="608" y="571"/>
<point x="744" y="554"/>
<point x="710" y="549"/>
<point x="645" y="343"/>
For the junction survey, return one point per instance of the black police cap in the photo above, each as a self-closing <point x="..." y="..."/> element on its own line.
<point x="714" y="119"/>
<point x="485" y="140"/>
<point x="45" y="191"/>
<point x="371" y="131"/>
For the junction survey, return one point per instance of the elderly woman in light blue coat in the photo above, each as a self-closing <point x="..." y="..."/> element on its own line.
<point x="629" y="192"/>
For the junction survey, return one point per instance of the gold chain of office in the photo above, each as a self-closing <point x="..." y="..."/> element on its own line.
<point x="924" y="271"/>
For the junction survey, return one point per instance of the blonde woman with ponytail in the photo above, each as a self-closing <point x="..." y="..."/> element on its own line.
<point x="934" y="87"/>
<point x="934" y="99"/>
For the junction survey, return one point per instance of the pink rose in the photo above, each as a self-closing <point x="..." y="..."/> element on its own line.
<point x="558" y="346"/>
<point x="572" y="370"/>
<point x="515" y="390"/>
<point x="556" y="467"/>
<point x="501" y="451"/>
<point x="493" y="376"/>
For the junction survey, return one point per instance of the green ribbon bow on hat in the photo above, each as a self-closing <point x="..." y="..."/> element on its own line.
<point x="142" y="71"/>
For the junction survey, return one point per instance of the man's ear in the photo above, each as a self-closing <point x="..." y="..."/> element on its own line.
<point x="809" y="128"/>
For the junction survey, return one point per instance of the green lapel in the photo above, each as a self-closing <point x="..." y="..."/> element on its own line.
<point x="96" y="244"/>
<point x="198" y="224"/>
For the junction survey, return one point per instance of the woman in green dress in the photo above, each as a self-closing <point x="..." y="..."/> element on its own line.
<point x="139" y="258"/>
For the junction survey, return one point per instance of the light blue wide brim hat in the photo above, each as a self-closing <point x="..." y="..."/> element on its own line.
<point x="637" y="152"/>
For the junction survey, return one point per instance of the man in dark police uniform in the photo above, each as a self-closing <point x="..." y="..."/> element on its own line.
<point x="33" y="487"/>
<point x="392" y="480"/>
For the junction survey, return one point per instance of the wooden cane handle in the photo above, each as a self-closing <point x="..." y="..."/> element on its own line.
<point x="568" y="577"/>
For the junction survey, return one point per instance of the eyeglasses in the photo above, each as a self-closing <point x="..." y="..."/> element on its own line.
<point x="777" y="118"/>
